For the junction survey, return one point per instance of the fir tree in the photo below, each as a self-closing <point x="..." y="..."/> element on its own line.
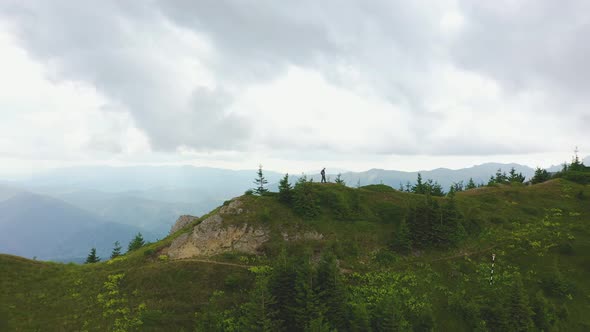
<point x="419" y="187"/>
<point x="470" y="184"/>
<point x="339" y="180"/>
<point x="519" y="312"/>
<point x="360" y="320"/>
<point x="515" y="177"/>
<point x="285" y="190"/>
<point x="92" y="257"/>
<point x="306" y="307"/>
<point x="541" y="175"/>
<point x="388" y="316"/>
<point x="260" y="182"/>
<point x="401" y="239"/>
<point x="116" y="250"/>
<point x="331" y="292"/>
<point x="136" y="243"/>
<point x="258" y="313"/>
<point x="282" y="287"/>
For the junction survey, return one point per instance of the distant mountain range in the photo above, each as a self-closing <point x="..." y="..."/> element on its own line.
<point x="33" y="225"/>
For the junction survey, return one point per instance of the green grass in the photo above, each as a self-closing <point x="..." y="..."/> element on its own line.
<point x="541" y="232"/>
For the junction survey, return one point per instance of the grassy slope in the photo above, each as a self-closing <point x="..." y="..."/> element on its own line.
<point x="526" y="227"/>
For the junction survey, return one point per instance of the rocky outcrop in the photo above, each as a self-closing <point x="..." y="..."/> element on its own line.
<point x="181" y="222"/>
<point x="212" y="237"/>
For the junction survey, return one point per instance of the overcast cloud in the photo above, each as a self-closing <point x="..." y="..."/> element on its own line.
<point x="234" y="83"/>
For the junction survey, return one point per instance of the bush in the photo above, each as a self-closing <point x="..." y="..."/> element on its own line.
<point x="148" y="252"/>
<point x="163" y="258"/>
<point x="249" y="192"/>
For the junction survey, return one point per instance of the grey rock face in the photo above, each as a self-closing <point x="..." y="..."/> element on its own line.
<point x="181" y="222"/>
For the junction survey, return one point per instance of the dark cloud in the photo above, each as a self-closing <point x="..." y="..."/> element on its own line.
<point x="130" y="51"/>
<point x="528" y="44"/>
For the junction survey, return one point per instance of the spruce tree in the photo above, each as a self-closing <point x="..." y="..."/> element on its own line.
<point x="92" y="257"/>
<point x="260" y="181"/>
<point x="136" y="243"/>
<point x="116" y="250"/>
<point x="470" y="184"/>
<point x="285" y="190"/>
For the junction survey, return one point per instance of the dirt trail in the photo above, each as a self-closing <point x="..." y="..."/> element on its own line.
<point x="464" y="254"/>
<point x="212" y="262"/>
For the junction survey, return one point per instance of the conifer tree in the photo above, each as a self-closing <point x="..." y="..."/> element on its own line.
<point x="282" y="288"/>
<point x="470" y="184"/>
<point x="92" y="257"/>
<point x="331" y="292"/>
<point x="258" y="313"/>
<point x="136" y="243"/>
<point x="388" y="316"/>
<point x="401" y="239"/>
<point x="360" y="320"/>
<point x="541" y="175"/>
<point x="306" y="307"/>
<point x="419" y="187"/>
<point x="519" y="311"/>
<point x="515" y="177"/>
<point x="116" y="250"/>
<point x="285" y="190"/>
<point x="260" y="181"/>
<point x="339" y="180"/>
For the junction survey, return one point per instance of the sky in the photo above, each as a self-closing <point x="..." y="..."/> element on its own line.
<point x="294" y="86"/>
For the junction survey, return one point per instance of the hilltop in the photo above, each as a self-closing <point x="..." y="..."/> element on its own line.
<point x="208" y="274"/>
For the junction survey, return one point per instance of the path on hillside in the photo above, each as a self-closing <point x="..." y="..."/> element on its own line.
<point x="464" y="254"/>
<point x="244" y="266"/>
<point x="212" y="262"/>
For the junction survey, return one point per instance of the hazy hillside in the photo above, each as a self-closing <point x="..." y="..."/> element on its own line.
<point x="33" y="225"/>
<point x="148" y="214"/>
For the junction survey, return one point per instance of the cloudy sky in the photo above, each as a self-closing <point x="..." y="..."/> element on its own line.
<point x="294" y="85"/>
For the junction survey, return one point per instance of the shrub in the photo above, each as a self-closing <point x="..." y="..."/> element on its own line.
<point x="249" y="192"/>
<point x="163" y="258"/>
<point x="148" y="252"/>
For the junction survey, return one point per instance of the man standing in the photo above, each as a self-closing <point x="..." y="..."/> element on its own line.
<point x="323" y="173"/>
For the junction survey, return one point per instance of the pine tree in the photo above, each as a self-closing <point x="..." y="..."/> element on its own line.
<point x="116" y="250"/>
<point x="260" y="182"/>
<point x="470" y="184"/>
<point x="92" y="258"/>
<point x="136" y="243"/>
<point x="285" y="190"/>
